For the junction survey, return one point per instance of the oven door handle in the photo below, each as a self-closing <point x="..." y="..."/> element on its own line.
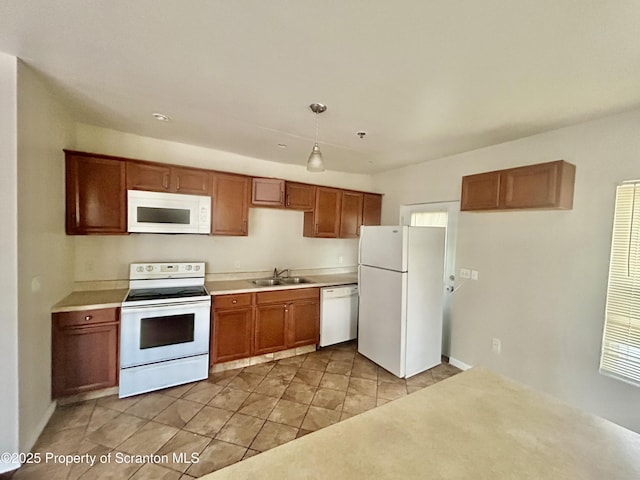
<point x="164" y="307"/>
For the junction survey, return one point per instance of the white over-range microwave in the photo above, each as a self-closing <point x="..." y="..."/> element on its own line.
<point x="159" y="212"/>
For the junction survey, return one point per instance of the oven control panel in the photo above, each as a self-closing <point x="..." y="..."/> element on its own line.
<point x="145" y="271"/>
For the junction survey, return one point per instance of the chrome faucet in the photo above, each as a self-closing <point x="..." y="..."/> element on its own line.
<point x="278" y="274"/>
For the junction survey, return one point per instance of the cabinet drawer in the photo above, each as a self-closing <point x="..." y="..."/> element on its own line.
<point x="86" y="317"/>
<point x="284" y="296"/>
<point x="231" y="301"/>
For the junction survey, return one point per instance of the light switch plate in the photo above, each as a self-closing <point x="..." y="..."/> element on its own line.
<point x="465" y="273"/>
<point x="474" y="275"/>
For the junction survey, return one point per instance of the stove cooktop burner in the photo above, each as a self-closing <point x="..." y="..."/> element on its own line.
<point x="142" y="294"/>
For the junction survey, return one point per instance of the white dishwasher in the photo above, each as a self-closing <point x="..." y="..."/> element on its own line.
<point x="338" y="314"/>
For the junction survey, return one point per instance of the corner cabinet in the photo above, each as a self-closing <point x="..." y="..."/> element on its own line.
<point x="84" y="351"/>
<point x="540" y="186"/>
<point x="229" y="204"/>
<point x="95" y="195"/>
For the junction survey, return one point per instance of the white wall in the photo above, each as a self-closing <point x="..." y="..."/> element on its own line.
<point x="45" y="253"/>
<point x="275" y="236"/>
<point x="9" y="440"/>
<point x="542" y="274"/>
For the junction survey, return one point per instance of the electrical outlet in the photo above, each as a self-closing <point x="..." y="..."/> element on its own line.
<point x="465" y="273"/>
<point x="495" y="345"/>
<point x="474" y="275"/>
<point x="340" y="259"/>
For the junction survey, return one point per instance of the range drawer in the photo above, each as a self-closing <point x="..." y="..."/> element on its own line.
<point x="233" y="300"/>
<point x="283" y="296"/>
<point x="86" y="317"/>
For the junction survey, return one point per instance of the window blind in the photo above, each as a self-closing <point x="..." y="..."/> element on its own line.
<point x="621" y="337"/>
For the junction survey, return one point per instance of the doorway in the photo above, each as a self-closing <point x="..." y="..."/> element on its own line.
<point x="444" y="215"/>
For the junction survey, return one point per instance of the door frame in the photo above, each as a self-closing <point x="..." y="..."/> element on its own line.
<point x="452" y="208"/>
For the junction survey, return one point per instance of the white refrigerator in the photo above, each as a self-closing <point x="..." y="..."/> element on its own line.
<point x="401" y="284"/>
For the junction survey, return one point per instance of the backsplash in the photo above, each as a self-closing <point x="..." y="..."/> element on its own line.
<point x="275" y="240"/>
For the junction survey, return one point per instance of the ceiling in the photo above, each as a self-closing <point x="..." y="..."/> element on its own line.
<point x="423" y="78"/>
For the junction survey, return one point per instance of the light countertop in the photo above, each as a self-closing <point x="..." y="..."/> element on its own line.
<point x="476" y="425"/>
<point x="89" y="300"/>
<point x="221" y="287"/>
<point x="111" y="298"/>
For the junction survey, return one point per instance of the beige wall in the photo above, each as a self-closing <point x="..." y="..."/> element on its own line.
<point x="45" y="253"/>
<point x="542" y="274"/>
<point x="275" y="236"/>
<point x="8" y="248"/>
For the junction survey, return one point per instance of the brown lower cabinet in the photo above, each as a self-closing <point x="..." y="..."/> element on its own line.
<point x="248" y="324"/>
<point x="84" y="351"/>
<point x="231" y="327"/>
<point x="286" y="319"/>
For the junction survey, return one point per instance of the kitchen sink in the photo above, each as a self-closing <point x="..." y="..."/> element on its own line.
<point x="267" y="282"/>
<point x="295" y="280"/>
<point x="270" y="282"/>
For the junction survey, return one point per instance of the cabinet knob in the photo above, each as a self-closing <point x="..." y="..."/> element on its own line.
<point x="234" y="301"/>
<point x="87" y="318"/>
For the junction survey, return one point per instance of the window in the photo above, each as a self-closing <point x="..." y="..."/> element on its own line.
<point x="621" y="338"/>
<point x="429" y="219"/>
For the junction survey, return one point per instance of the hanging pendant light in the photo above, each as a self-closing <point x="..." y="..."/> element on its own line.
<point x="315" y="162"/>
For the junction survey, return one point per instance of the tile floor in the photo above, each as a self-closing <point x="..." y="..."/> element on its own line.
<point x="228" y="417"/>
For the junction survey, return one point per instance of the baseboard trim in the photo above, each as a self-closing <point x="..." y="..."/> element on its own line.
<point x="457" y="363"/>
<point x="40" y="428"/>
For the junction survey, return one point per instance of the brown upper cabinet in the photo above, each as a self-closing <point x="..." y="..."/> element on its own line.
<point x="340" y="213"/>
<point x="267" y="192"/>
<point x="351" y="214"/>
<point x="371" y="209"/>
<point x="324" y="219"/>
<point x="540" y="186"/>
<point x="300" y="196"/>
<point x="229" y="204"/>
<point x="95" y="195"/>
<point x="158" y="177"/>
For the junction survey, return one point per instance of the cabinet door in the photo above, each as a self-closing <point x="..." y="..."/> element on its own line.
<point x="351" y="214"/>
<point x="304" y="323"/>
<point x="231" y="334"/>
<point x="191" y="181"/>
<point x="95" y="195"/>
<point x="300" y="196"/>
<point x="481" y="191"/>
<point x="84" y="359"/>
<point x="148" y="176"/>
<point x="324" y="220"/>
<point x="270" y="328"/>
<point x="371" y="209"/>
<point x="268" y="192"/>
<point x="546" y="185"/>
<point x="230" y="204"/>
